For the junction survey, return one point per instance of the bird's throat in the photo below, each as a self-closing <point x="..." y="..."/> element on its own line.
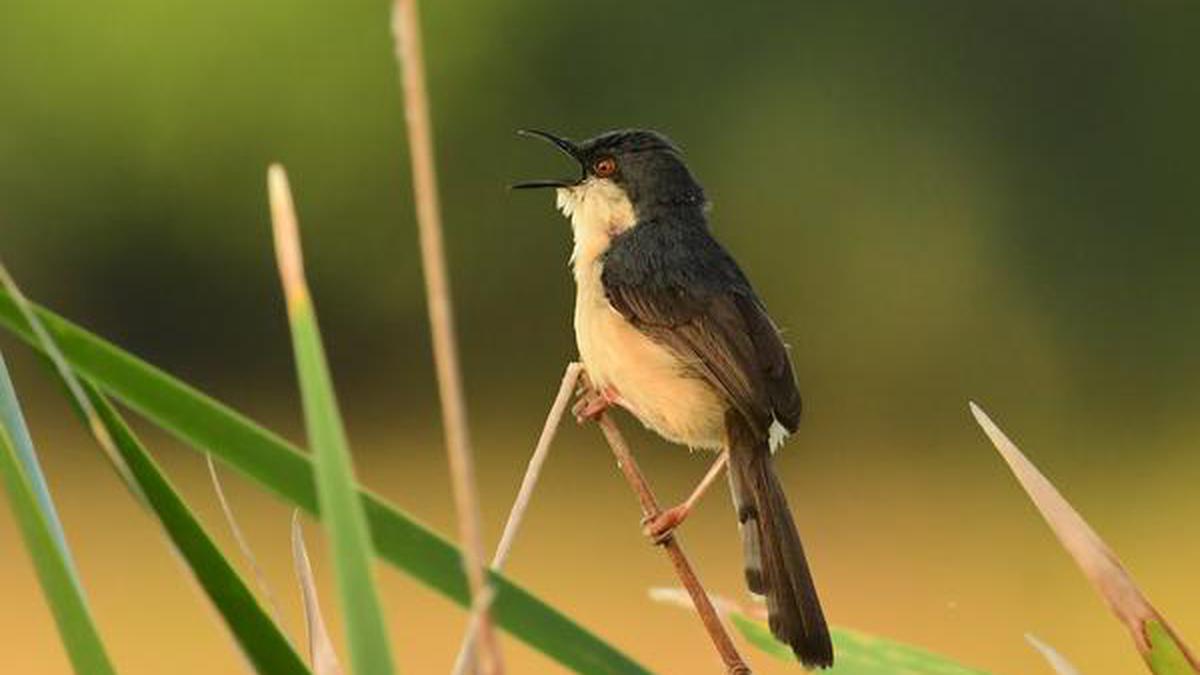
<point x="598" y="210"/>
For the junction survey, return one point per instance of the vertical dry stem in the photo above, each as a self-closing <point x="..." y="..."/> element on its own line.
<point x="683" y="569"/>
<point x="521" y="504"/>
<point x="407" y="33"/>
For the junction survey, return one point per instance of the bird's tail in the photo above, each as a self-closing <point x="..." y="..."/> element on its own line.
<point x="775" y="563"/>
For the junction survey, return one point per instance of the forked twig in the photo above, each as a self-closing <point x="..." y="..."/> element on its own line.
<point x="683" y="569"/>
<point x="407" y="32"/>
<point x="521" y="504"/>
<point x="629" y="468"/>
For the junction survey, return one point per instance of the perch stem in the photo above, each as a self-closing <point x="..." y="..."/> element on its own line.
<point x="733" y="661"/>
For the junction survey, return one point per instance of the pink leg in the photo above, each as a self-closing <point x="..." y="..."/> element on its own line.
<point x="661" y="527"/>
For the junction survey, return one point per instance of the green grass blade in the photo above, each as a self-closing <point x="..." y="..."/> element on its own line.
<point x="856" y="653"/>
<point x="345" y="524"/>
<point x="1167" y="655"/>
<point x="259" y="637"/>
<point x="261" y="640"/>
<point x="47" y="546"/>
<point x="14" y="421"/>
<point x="263" y="456"/>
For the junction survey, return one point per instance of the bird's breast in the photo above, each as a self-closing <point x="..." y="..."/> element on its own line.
<point x="653" y="382"/>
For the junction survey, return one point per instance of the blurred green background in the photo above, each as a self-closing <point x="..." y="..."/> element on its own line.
<point x="939" y="201"/>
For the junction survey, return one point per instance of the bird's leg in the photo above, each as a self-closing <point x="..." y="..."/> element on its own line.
<point x="593" y="401"/>
<point x="660" y="527"/>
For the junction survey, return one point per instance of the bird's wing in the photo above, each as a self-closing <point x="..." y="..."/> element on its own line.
<point x="691" y="296"/>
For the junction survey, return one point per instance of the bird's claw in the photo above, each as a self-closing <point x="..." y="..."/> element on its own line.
<point x="593" y="403"/>
<point x="589" y="407"/>
<point x="660" y="527"/>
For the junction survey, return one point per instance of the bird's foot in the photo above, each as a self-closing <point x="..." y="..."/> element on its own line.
<point x="661" y="527"/>
<point x="593" y="403"/>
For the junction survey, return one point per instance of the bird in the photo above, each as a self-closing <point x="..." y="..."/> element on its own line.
<point x="669" y="328"/>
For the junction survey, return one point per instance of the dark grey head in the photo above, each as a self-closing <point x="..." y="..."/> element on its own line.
<point x="644" y="164"/>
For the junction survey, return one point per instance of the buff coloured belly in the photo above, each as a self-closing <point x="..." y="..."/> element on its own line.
<point x="651" y="381"/>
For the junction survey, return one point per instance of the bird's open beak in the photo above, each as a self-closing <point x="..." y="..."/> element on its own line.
<point x="562" y="144"/>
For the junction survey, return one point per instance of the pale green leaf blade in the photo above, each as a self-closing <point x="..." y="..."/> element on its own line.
<point x="856" y="653"/>
<point x="345" y="523"/>
<point x="31" y="505"/>
<point x="14" y="420"/>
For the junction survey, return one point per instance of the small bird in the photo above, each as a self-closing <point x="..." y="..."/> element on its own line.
<point x="669" y="328"/>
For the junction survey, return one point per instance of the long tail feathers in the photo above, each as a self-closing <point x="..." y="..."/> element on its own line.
<point x="775" y="564"/>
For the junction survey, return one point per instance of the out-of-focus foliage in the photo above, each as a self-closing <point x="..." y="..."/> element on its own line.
<point x="937" y="201"/>
<point x="857" y="653"/>
<point x="284" y="469"/>
<point x="899" y="180"/>
<point x="29" y="497"/>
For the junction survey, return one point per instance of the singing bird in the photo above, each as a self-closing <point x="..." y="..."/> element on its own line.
<point x="669" y="328"/>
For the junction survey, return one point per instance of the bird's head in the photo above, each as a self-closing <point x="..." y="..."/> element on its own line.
<point x="642" y="167"/>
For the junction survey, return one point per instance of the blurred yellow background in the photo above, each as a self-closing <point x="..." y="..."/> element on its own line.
<point x="939" y="203"/>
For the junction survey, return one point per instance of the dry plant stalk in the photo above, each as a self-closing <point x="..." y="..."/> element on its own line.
<point x="1094" y="558"/>
<point x="683" y="569"/>
<point x="321" y="654"/>
<point x="700" y="600"/>
<point x="407" y="33"/>
<point x="521" y="504"/>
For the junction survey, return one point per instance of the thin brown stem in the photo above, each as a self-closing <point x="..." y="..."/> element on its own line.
<point x="683" y="569"/>
<point x="517" y="514"/>
<point x="407" y="33"/>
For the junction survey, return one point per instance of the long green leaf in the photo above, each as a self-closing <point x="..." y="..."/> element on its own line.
<point x="259" y="637"/>
<point x="46" y="545"/>
<point x="345" y="523"/>
<point x="857" y="653"/>
<point x="266" y="458"/>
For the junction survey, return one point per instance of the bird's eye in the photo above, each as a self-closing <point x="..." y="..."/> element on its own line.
<point x="605" y="167"/>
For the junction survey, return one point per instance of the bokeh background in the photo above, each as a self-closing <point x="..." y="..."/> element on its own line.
<point x="939" y="201"/>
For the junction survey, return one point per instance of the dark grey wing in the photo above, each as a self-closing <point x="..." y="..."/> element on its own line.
<point x="773" y="361"/>
<point x="684" y="290"/>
